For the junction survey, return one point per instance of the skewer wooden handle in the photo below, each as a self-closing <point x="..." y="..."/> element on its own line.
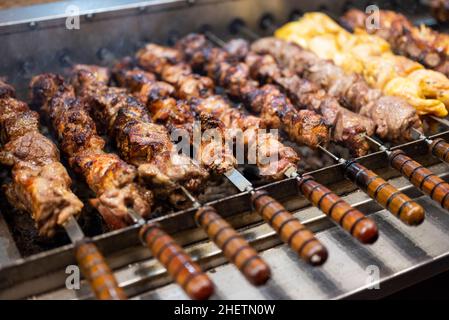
<point x="97" y="272"/>
<point x="421" y="177"/>
<point x="385" y="194"/>
<point x="440" y="149"/>
<point x="351" y="219"/>
<point x="233" y="245"/>
<point x="289" y="228"/>
<point x="179" y="265"/>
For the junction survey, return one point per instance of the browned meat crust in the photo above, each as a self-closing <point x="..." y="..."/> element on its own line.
<point x="393" y="116"/>
<point x="303" y="126"/>
<point x="107" y="175"/>
<point x="349" y="128"/>
<point x="40" y="183"/>
<point x="203" y="102"/>
<point x="213" y="154"/>
<point x="140" y="141"/>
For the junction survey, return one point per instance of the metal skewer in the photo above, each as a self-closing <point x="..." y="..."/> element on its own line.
<point x="388" y="196"/>
<point x="407" y="210"/>
<point x="289" y="228"/>
<point x="234" y="247"/>
<point x="351" y="219"/>
<point x="418" y="175"/>
<point x="437" y="147"/>
<point x="179" y="265"/>
<point x="93" y="265"/>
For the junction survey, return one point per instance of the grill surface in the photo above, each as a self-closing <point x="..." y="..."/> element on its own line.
<point x="404" y="255"/>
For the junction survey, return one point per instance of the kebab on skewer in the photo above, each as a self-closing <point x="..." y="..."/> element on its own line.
<point x="41" y="186"/>
<point x="140" y="142"/>
<point x="304" y="127"/>
<point x="215" y="158"/>
<point x="394" y="118"/>
<point x="388" y="196"/>
<point x="123" y="201"/>
<point x="426" y="90"/>
<point x="348" y="128"/>
<point x="203" y="101"/>
<point x="421" y="44"/>
<point x="290" y="229"/>
<point x="288" y="53"/>
<point x="421" y="177"/>
<point x="233" y="244"/>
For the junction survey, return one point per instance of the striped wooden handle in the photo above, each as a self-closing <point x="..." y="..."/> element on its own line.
<point x="97" y="272"/>
<point x="421" y="177"/>
<point x="351" y="219"/>
<point x="179" y="265"/>
<point x="235" y="248"/>
<point x="289" y="228"/>
<point x="385" y="194"/>
<point x="440" y="149"/>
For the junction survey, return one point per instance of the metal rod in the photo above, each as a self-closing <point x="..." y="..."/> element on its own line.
<point x="377" y="143"/>
<point x="73" y="230"/>
<point x="419" y="134"/>
<point x="212" y="37"/>
<point x="137" y="218"/>
<point x="330" y="154"/>
<point x="195" y="202"/>
<point x="247" y="31"/>
<point x="440" y="120"/>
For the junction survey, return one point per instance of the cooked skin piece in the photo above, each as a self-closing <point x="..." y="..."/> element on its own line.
<point x="393" y="116"/>
<point x="141" y="142"/>
<point x="203" y="102"/>
<point x="349" y="128"/>
<point x="109" y="177"/>
<point x="421" y="44"/>
<point x="304" y="126"/>
<point x="371" y="56"/>
<point x="40" y="184"/>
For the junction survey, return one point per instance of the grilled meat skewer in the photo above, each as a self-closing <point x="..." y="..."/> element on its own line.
<point x="304" y="127"/>
<point x="40" y="183"/>
<point x="421" y="44"/>
<point x="239" y="251"/>
<point x="348" y="128"/>
<point x="41" y="186"/>
<point x="109" y="177"/>
<point x="233" y="119"/>
<point x="371" y="57"/>
<point x="122" y="201"/>
<point x="301" y="239"/>
<point x="141" y="142"/>
<point x="393" y="116"/>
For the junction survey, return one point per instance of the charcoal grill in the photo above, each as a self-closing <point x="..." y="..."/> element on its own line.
<point x="37" y="41"/>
